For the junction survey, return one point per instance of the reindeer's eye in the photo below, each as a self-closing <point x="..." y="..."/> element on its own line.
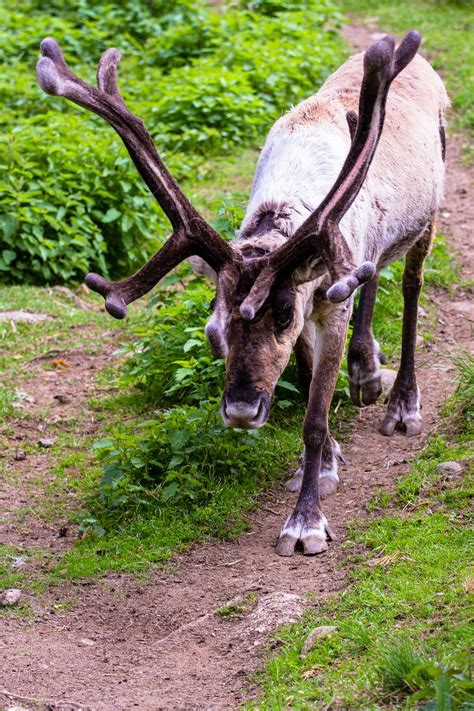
<point x="283" y="314"/>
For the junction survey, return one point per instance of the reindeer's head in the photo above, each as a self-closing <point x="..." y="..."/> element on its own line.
<point x="256" y="351"/>
<point x="259" y="306"/>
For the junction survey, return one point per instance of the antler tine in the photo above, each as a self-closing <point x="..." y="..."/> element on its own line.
<point x="381" y="65"/>
<point x="191" y="233"/>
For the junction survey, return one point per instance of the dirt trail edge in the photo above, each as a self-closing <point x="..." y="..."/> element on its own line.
<point x="163" y="645"/>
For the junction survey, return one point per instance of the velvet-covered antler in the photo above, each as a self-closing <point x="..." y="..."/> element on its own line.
<point x="192" y="235"/>
<point x="320" y="235"/>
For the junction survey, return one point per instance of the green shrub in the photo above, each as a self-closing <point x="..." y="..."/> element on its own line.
<point x="170" y="360"/>
<point x="60" y="215"/>
<point x="203" y="81"/>
<point x="180" y="458"/>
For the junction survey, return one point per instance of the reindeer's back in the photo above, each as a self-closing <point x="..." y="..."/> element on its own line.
<point x="306" y="148"/>
<point x="404" y="185"/>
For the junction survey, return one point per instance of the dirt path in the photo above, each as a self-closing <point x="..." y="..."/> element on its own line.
<point x="162" y="645"/>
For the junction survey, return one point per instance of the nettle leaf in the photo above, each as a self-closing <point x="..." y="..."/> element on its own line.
<point x="112" y="474"/>
<point x="9" y="226"/>
<point x="111" y="215"/>
<point x="182" y="373"/>
<point x="8" y="256"/>
<point x="170" y="491"/>
<point x="178" y="439"/>
<point x="288" y="386"/>
<point x="192" y="343"/>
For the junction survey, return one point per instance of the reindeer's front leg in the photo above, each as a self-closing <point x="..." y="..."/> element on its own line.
<point x="307" y="524"/>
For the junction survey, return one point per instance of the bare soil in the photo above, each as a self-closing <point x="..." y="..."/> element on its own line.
<point x="163" y="645"/>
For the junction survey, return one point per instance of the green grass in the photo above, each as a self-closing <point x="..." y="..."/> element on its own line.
<point x="405" y="623"/>
<point x="446" y="27"/>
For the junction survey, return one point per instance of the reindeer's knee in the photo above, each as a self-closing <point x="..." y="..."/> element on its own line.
<point x="314" y="434"/>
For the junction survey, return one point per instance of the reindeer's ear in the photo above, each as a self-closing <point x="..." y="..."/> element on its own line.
<point x="202" y="268"/>
<point x="309" y="270"/>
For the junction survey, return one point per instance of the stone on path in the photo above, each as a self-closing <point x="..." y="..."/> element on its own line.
<point x="10" y="597"/>
<point x="313" y="637"/>
<point x="24" y="316"/>
<point x="271" y="611"/>
<point x="450" y="468"/>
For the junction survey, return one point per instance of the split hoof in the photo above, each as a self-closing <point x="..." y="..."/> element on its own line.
<point x="403" y="414"/>
<point x="312" y="538"/>
<point x="410" y="425"/>
<point x="294" y="484"/>
<point x="327" y="486"/>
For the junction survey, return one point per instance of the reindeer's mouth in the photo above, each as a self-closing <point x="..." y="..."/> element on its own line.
<point x="247" y="415"/>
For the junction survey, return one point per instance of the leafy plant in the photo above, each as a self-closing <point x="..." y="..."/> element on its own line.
<point x="182" y="457"/>
<point x="170" y="360"/>
<point x="204" y="82"/>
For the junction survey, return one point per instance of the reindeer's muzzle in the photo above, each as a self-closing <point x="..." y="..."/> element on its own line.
<point x="248" y="414"/>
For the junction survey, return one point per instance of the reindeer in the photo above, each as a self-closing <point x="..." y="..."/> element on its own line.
<point x="326" y="213"/>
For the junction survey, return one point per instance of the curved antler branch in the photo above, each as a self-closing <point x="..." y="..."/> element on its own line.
<point x="192" y="234"/>
<point x="319" y="235"/>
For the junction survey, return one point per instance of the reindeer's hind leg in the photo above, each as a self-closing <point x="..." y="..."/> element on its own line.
<point x="403" y="409"/>
<point x="364" y="356"/>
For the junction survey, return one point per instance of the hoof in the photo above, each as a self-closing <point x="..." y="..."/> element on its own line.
<point x="313" y="535"/>
<point x="313" y="545"/>
<point x="403" y="414"/>
<point x="410" y="425"/>
<point x="327" y="486"/>
<point x="366" y="393"/>
<point x="286" y="546"/>
<point x="365" y="373"/>
<point x="294" y="484"/>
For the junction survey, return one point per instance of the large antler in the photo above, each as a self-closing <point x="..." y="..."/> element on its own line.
<point x="319" y="235"/>
<point x="192" y="235"/>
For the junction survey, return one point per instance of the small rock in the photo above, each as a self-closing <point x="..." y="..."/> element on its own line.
<point x="10" y="597"/>
<point x="271" y="611"/>
<point x="86" y="642"/>
<point x="17" y="708"/>
<point x="312" y="638"/>
<point x="388" y="378"/>
<point x="22" y="396"/>
<point x="450" y="468"/>
<point x="25" y="316"/>
<point x="45" y="443"/>
<point x="20" y="455"/>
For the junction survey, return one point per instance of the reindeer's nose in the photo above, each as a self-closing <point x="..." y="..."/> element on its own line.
<point x="248" y="415"/>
